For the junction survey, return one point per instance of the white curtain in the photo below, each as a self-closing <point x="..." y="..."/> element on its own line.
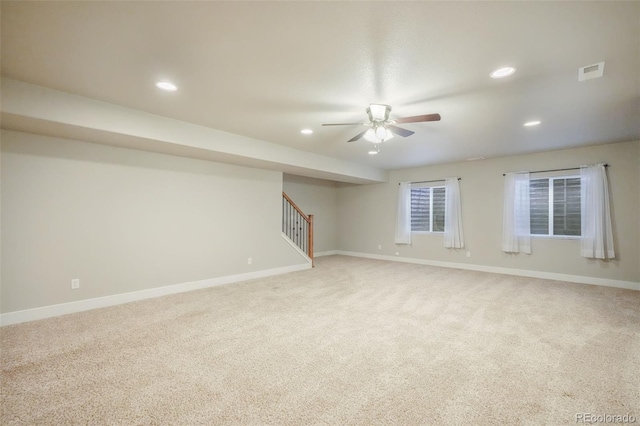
<point x="453" y="236"/>
<point x="516" y="215"/>
<point x="597" y="237"/>
<point x="403" y="214"/>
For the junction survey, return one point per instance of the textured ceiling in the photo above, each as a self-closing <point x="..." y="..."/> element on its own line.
<point x="268" y="69"/>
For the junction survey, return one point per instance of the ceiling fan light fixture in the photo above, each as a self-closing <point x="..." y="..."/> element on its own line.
<point x="381" y="129"/>
<point x="370" y="135"/>
<point x="378" y="135"/>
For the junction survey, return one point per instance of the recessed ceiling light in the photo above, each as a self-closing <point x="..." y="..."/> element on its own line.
<point x="532" y="123"/>
<point x="306" y="131"/>
<point x="503" y="72"/>
<point x="166" y="85"/>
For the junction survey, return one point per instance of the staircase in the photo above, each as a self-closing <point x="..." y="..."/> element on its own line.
<point x="297" y="226"/>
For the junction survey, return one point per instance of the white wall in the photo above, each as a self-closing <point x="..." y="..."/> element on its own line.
<point x="367" y="215"/>
<point x="123" y="220"/>
<point x="319" y="198"/>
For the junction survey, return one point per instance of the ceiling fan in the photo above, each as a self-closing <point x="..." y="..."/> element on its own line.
<point x="381" y="128"/>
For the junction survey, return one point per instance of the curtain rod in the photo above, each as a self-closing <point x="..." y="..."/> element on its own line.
<point x="428" y="181"/>
<point x="556" y="170"/>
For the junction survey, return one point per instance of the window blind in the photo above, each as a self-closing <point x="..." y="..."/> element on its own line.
<point x="539" y="206"/>
<point x="555" y="206"/>
<point x="438" y="209"/>
<point x="428" y="209"/>
<point x="566" y="206"/>
<point x="420" y="209"/>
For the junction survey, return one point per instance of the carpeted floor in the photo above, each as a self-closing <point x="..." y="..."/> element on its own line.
<point x="353" y="341"/>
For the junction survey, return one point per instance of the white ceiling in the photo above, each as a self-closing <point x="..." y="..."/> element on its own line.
<point x="266" y="70"/>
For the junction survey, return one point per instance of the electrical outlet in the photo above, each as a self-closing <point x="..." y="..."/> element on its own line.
<point x="75" y="283"/>
<point x="249" y="261"/>
<point x="397" y="253"/>
<point x="468" y="254"/>
<point x="379" y="246"/>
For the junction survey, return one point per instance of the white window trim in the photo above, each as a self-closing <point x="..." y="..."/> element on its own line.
<point x="550" y="235"/>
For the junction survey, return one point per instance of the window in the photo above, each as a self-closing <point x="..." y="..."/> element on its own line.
<point x="555" y="206"/>
<point x="427" y="209"/>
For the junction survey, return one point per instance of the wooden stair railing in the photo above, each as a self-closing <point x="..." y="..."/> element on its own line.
<point x="297" y="226"/>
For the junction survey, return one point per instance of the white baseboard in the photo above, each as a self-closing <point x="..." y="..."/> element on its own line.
<point x="630" y="285"/>
<point x="118" y="299"/>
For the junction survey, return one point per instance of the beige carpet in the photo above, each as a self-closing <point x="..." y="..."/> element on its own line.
<point x="354" y="341"/>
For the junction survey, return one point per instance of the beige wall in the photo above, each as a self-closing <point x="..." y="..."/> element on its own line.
<point x="122" y="220"/>
<point x="367" y="214"/>
<point x="319" y="198"/>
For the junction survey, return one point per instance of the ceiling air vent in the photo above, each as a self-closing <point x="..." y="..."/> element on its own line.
<point x="591" y="71"/>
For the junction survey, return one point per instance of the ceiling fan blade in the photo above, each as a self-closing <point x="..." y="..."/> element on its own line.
<point x="345" y="124"/>
<point x="418" y="118"/>
<point x="400" y="131"/>
<point x="358" y="136"/>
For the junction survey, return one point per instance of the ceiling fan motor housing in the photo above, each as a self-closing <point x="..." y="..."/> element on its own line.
<point x="378" y="113"/>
